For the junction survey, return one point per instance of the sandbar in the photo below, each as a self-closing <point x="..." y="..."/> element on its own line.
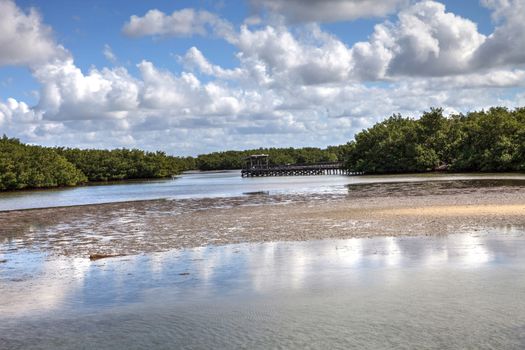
<point x="160" y="225"/>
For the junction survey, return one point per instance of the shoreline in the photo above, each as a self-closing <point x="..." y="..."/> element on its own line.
<point x="146" y="226"/>
<point x="516" y="175"/>
<point x="88" y="184"/>
<point x="369" y="180"/>
<point x="81" y="205"/>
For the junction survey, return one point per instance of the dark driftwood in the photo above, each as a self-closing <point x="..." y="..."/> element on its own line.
<point x="103" y="256"/>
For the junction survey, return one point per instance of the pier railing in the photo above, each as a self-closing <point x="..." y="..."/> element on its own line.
<point x="328" y="168"/>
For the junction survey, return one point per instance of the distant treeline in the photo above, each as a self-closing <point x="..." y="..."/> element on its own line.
<point x="492" y="140"/>
<point x="121" y="164"/>
<point x="24" y="166"/>
<point x="277" y="156"/>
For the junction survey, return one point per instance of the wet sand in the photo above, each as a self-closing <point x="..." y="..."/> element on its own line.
<point x="365" y="211"/>
<point x="462" y="210"/>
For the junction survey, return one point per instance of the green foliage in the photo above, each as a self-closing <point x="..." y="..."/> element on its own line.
<point x="390" y="146"/>
<point x="120" y="164"/>
<point x="24" y="166"/>
<point x="492" y="140"/>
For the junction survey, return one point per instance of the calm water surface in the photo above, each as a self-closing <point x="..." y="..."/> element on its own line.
<point x="459" y="291"/>
<point x="210" y="184"/>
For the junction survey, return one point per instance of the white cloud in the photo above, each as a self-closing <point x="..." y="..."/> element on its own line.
<point x="274" y="56"/>
<point x="18" y="119"/>
<point x="195" y="59"/>
<point x="506" y="45"/>
<point x="14" y="111"/>
<point x="329" y="10"/>
<point x="68" y="94"/>
<point x="499" y="78"/>
<point x="428" y="41"/>
<point x="185" y="22"/>
<point x="425" y="41"/>
<point x="24" y="39"/>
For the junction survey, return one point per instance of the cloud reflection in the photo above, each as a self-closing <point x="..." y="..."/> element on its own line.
<point x="33" y="283"/>
<point x="44" y="286"/>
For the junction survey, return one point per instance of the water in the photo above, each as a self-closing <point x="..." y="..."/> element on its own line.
<point x="209" y="184"/>
<point x="458" y="291"/>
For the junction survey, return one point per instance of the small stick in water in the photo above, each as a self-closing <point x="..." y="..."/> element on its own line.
<point x="103" y="256"/>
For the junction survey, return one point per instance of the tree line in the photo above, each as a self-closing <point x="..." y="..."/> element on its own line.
<point x="277" y="156"/>
<point x="122" y="164"/>
<point x="492" y="140"/>
<point x="26" y="166"/>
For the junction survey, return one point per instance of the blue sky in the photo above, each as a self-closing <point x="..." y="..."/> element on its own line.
<point x="189" y="77"/>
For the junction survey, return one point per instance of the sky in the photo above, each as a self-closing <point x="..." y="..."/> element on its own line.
<point x="191" y="77"/>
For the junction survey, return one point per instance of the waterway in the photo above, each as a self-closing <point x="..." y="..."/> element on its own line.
<point x="456" y="291"/>
<point x="424" y="292"/>
<point x="212" y="184"/>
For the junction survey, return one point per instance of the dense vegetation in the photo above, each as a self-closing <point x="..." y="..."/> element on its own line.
<point x="24" y="166"/>
<point x="492" y="140"/>
<point x="119" y="164"/>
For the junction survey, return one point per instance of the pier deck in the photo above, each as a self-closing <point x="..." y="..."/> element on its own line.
<point x="333" y="168"/>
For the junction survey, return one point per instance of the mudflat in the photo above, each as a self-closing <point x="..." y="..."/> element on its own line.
<point x="394" y="209"/>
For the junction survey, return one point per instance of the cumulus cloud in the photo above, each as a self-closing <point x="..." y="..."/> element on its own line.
<point x="17" y="112"/>
<point x="425" y="41"/>
<point x="506" y="45"/>
<point x="171" y="111"/>
<point x="329" y="10"/>
<point x="274" y="56"/>
<point x="185" y="22"/>
<point x="68" y="94"/>
<point x="113" y="96"/>
<point x="431" y="41"/>
<point x="24" y="39"/>
<point x="194" y="59"/>
<point x="18" y="119"/>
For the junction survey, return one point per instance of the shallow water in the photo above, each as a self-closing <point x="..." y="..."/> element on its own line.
<point x="213" y="184"/>
<point x="457" y="291"/>
<point x="435" y="186"/>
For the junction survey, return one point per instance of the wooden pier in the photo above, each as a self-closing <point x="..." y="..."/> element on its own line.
<point x="257" y="165"/>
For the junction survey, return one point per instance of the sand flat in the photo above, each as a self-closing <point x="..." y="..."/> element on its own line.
<point x="160" y="225"/>
<point x="460" y="210"/>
